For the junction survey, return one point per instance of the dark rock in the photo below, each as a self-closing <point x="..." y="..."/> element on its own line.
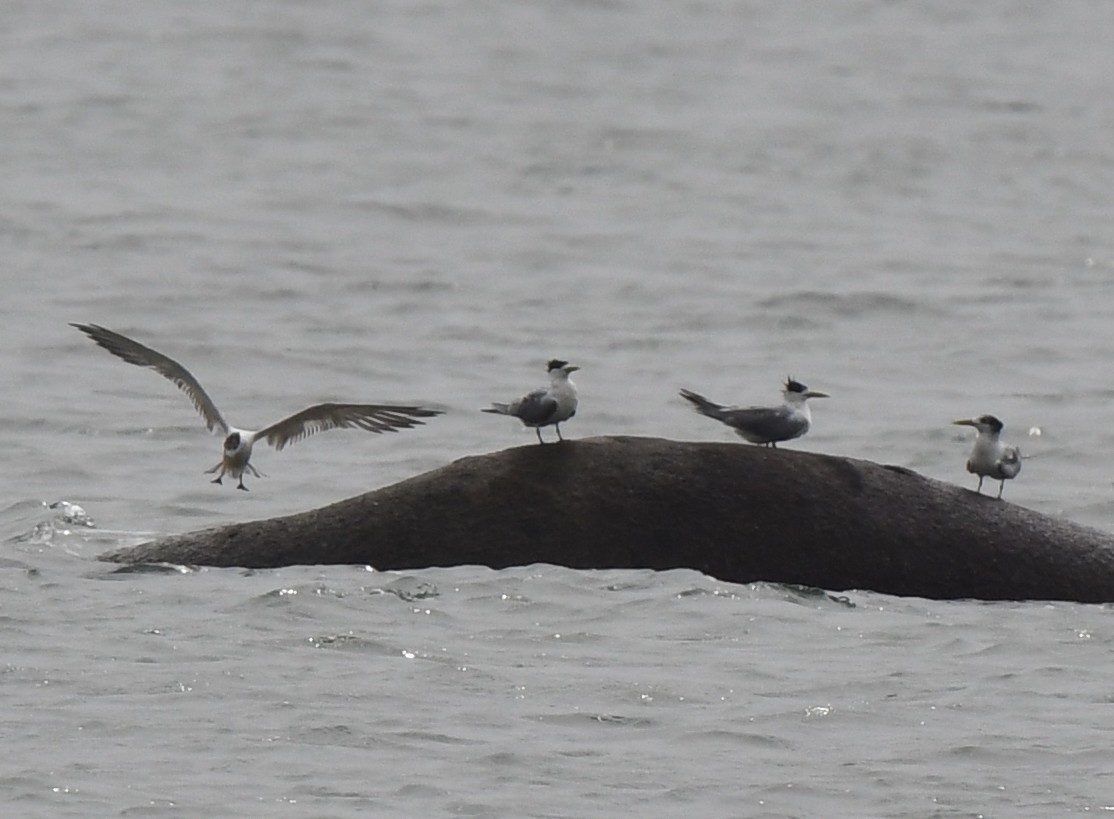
<point x="739" y="513"/>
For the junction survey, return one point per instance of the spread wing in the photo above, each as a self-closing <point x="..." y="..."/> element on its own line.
<point x="135" y="353"/>
<point x="320" y="417"/>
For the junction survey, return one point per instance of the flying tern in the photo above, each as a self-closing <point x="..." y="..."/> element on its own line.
<point x="236" y="455"/>
<point x="990" y="458"/>
<point x="549" y="405"/>
<point x="764" y="425"/>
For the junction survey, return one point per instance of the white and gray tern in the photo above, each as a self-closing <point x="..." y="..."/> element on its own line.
<point x="990" y="458"/>
<point x="236" y="454"/>
<point x="545" y="406"/>
<point x="764" y="425"/>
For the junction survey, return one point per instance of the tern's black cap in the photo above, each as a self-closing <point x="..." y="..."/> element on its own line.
<point x="990" y="421"/>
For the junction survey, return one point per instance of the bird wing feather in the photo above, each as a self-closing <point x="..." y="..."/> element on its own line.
<point x="135" y="353"/>
<point x="703" y="405"/>
<point x="535" y="408"/>
<point x="1010" y="463"/>
<point x="321" y="417"/>
<point x="766" y="423"/>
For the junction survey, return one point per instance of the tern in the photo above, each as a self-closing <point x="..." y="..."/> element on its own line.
<point x="236" y="456"/>
<point x="990" y="458"/>
<point x="549" y="405"/>
<point x="764" y="425"/>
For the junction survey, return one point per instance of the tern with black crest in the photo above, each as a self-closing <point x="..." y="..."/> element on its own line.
<point x="236" y="454"/>
<point x="990" y="458"/>
<point x="545" y="406"/>
<point x="764" y="425"/>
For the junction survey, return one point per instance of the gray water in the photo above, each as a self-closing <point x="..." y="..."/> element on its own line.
<point x="905" y="205"/>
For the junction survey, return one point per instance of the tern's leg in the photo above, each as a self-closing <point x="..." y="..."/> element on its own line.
<point x="558" y="427"/>
<point x="538" y="430"/>
<point x="979" y="489"/>
<point x="219" y="466"/>
<point x="1001" y="486"/>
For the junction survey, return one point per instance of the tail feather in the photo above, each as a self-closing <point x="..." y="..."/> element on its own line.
<point x="498" y="409"/>
<point x="703" y="405"/>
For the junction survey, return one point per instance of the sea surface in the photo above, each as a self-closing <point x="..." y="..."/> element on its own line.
<point x="906" y="205"/>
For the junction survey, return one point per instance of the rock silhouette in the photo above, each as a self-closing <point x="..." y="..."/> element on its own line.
<point x="736" y="512"/>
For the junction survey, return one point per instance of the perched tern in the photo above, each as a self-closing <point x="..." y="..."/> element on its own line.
<point x="549" y="405"/>
<point x="990" y="458"/>
<point x="764" y="425"/>
<point x="236" y="457"/>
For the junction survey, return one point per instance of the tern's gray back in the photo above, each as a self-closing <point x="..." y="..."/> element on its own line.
<point x="1008" y="464"/>
<point x="535" y="408"/>
<point x="762" y="425"/>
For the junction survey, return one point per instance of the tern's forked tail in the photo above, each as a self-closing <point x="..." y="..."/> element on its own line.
<point x="703" y="405"/>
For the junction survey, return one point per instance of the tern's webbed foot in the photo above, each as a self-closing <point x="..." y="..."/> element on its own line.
<point x="216" y="480"/>
<point x="240" y="485"/>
